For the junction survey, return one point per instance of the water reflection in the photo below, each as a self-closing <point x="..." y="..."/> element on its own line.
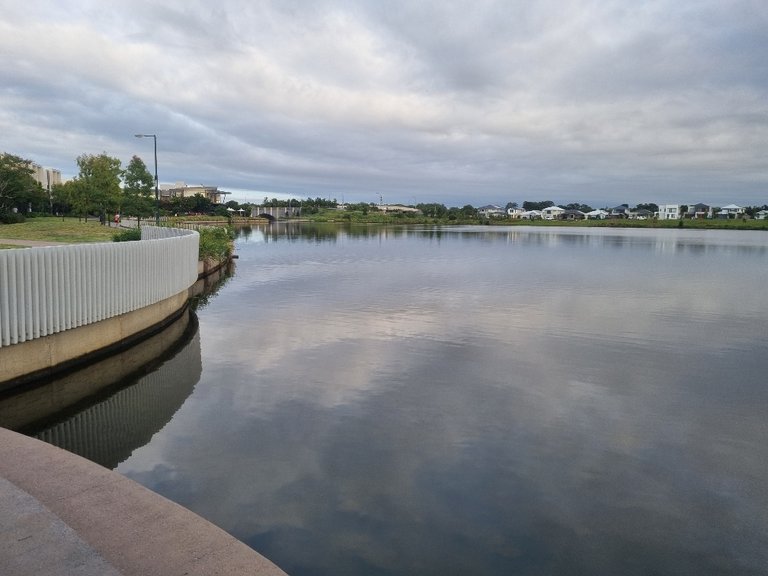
<point x="108" y="409"/>
<point x="695" y="242"/>
<point x="480" y="400"/>
<point x="109" y="430"/>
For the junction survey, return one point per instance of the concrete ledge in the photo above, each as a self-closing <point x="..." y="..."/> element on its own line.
<point x="71" y="516"/>
<point x="38" y="358"/>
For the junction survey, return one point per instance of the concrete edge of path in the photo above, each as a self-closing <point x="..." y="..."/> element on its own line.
<point x="62" y="514"/>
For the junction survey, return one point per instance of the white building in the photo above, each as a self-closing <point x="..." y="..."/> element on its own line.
<point x="46" y="177"/>
<point x="669" y="212"/>
<point x="398" y="208"/>
<point x="491" y="211"/>
<point x="552" y="212"/>
<point x="182" y="190"/>
<point x="731" y="211"/>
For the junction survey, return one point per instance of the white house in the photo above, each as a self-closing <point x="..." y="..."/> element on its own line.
<point x="762" y="215"/>
<point x="731" y="211"/>
<point x="531" y="215"/>
<point x="552" y="212"/>
<point x="669" y="212"/>
<point x="515" y="212"/>
<point x="597" y="214"/>
<point x="491" y="211"/>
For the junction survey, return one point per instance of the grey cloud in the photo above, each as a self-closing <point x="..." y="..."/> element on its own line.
<point x="460" y="103"/>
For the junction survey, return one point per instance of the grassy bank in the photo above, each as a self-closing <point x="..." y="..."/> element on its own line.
<point x="68" y="230"/>
<point x="215" y="241"/>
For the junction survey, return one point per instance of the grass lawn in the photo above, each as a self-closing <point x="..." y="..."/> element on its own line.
<point x="69" y="230"/>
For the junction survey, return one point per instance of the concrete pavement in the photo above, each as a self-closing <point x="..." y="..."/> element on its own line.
<point x="61" y="514"/>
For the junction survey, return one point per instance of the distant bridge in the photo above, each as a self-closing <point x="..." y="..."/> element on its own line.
<point x="273" y="213"/>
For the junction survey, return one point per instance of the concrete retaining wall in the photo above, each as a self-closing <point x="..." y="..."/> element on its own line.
<point x="107" y="292"/>
<point x="51" y="289"/>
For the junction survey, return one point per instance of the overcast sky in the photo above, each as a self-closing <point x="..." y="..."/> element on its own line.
<point x="451" y="101"/>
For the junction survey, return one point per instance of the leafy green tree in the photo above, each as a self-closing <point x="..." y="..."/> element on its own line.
<point x="650" y="206"/>
<point x="98" y="184"/>
<point x="201" y="204"/>
<point x="509" y="205"/>
<point x="433" y="210"/>
<point x="18" y="189"/>
<point x="528" y="205"/>
<point x="138" y="189"/>
<point x="578" y="206"/>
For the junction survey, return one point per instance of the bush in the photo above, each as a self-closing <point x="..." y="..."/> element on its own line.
<point x="127" y="235"/>
<point x="215" y="242"/>
<point x="12" y="218"/>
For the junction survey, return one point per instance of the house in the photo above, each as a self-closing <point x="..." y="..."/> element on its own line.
<point x="641" y="214"/>
<point x="531" y="215"/>
<point x="620" y="211"/>
<point x="699" y="211"/>
<point x="181" y="190"/>
<point x="398" y="208"/>
<point x="491" y="211"/>
<point x="669" y="212"/>
<point x="762" y="215"/>
<point x="552" y="212"/>
<point x="731" y="211"/>
<point x="572" y="215"/>
<point x="597" y="214"/>
<point x="515" y="212"/>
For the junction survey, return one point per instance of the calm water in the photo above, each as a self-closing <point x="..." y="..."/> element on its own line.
<point x="478" y="401"/>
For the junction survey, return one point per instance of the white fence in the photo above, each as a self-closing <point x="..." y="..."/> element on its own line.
<point x="50" y="289"/>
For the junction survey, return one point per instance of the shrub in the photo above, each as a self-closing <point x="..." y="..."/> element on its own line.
<point x="127" y="235"/>
<point x="11" y="218"/>
<point x="215" y="242"/>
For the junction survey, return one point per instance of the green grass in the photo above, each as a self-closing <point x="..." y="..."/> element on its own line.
<point x="68" y="230"/>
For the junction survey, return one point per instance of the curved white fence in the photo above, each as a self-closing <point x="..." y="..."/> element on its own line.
<point x="54" y="288"/>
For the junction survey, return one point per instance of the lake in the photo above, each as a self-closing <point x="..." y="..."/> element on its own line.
<point x="470" y="400"/>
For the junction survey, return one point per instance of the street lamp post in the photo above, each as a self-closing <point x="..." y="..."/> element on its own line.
<point x="157" y="192"/>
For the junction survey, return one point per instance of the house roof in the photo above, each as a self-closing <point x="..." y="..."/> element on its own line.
<point x="731" y="207"/>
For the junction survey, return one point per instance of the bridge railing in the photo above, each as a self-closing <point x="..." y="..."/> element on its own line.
<point x="50" y="289"/>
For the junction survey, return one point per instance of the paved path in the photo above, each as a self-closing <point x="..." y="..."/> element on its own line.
<point x="63" y="515"/>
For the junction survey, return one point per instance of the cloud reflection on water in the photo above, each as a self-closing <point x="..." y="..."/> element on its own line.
<point x="480" y="407"/>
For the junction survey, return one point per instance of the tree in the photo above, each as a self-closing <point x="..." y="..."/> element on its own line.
<point x="578" y="206"/>
<point x="433" y="209"/>
<point x="18" y="189"/>
<point x="98" y="184"/>
<point x="527" y="205"/>
<point x="511" y="205"/>
<point x="137" y="189"/>
<point x="650" y="206"/>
